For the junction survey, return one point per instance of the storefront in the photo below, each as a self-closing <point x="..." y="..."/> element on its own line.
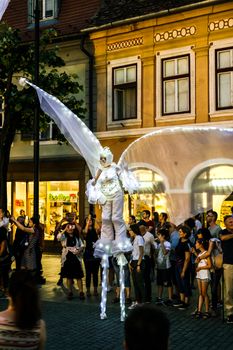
<point x="56" y="199"/>
<point x="61" y="191"/>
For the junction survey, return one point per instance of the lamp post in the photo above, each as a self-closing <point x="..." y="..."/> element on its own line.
<point x="37" y="112"/>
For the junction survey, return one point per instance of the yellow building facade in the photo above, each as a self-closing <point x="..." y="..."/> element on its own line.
<point x="168" y="70"/>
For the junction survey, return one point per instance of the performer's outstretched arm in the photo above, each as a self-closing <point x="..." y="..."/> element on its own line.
<point x="99" y="171"/>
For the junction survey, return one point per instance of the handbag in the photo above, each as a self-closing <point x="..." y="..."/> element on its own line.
<point x="24" y="243"/>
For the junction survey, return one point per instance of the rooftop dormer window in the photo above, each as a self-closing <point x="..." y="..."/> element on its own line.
<point x="48" y="9"/>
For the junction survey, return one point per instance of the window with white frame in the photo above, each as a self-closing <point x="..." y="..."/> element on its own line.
<point x="1" y="111"/>
<point x="50" y="132"/>
<point x="48" y="9"/>
<point x="124" y="91"/>
<point x="176" y="85"/>
<point x="224" y="78"/>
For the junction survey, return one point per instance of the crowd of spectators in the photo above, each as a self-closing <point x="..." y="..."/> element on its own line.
<point x="196" y="254"/>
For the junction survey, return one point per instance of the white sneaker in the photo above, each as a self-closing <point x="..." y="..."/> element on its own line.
<point x="133" y="305"/>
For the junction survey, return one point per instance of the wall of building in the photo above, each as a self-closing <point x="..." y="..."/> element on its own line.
<point x="195" y="30"/>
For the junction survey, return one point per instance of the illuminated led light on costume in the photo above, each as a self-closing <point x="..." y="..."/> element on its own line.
<point x="105" y="265"/>
<point x="22" y="81"/>
<point x="122" y="261"/>
<point x="122" y="292"/>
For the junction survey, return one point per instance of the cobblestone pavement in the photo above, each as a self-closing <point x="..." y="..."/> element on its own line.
<point x="76" y="324"/>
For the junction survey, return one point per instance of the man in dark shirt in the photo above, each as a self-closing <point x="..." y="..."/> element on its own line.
<point x="226" y="237"/>
<point x="146" y="221"/>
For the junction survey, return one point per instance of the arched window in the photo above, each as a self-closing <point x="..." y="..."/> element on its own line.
<point x="150" y="195"/>
<point x="210" y="189"/>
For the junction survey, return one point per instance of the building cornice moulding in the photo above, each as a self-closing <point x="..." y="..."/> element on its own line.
<point x="225" y="23"/>
<point x="132" y="133"/>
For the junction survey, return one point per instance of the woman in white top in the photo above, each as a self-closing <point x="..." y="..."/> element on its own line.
<point x="137" y="265"/>
<point x="203" y="280"/>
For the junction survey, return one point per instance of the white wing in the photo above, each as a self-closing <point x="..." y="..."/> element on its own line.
<point x="72" y="127"/>
<point x="128" y="180"/>
<point x="3" y="7"/>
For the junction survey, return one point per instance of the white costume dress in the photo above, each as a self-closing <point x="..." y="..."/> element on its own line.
<point x="113" y="224"/>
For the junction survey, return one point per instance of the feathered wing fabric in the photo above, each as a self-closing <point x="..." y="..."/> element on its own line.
<point x="3" y="7"/>
<point x="128" y="179"/>
<point x="73" y="128"/>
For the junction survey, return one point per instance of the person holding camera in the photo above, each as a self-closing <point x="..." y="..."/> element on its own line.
<point x="72" y="253"/>
<point x="20" y="243"/>
<point x="29" y="261"/>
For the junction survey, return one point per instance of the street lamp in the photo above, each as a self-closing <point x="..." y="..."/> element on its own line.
<point x="37" y="112"/>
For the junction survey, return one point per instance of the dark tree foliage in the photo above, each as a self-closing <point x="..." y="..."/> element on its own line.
<point x="17" y="60"/>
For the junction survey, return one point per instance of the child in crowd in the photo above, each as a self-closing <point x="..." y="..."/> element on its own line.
<point x="203" y="280"/>
<point x="164" y="276"/>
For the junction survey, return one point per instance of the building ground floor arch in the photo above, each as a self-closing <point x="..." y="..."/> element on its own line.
<point x="211" y="188"/>
<point x="182" y="159"/>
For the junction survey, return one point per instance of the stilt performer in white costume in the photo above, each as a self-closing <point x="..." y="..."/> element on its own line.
<point x="106" y="188"/>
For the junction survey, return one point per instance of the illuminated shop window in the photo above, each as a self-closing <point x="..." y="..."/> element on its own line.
<point x="150" y="195"/>
<point x="20" y="198"/>
<point x="9" y="204"/>
<point x="56" y="199"/>
<point x="211" y="188"/>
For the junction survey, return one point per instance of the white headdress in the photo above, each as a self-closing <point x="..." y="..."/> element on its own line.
<point x="106" y="153"/>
